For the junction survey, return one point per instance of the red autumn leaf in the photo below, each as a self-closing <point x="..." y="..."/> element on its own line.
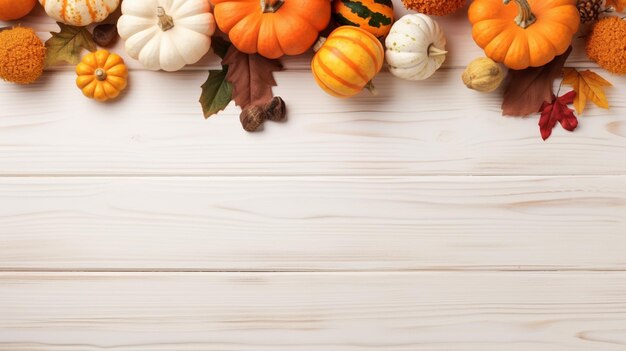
<point x="529" y="88"/>
<point x="251" y="76"/>
<point x="557" y="111"/>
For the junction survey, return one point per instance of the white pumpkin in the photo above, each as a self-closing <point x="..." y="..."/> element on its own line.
<point x="416" y="47"/>
<point x="166" y="34"/>
<point x="79" y="12"/>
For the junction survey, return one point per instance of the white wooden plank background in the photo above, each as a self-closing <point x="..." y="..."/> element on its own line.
<point x="435" y="127"/>
<point x="313" y="223"/>
<point x="440" y="311"/>
<point x="418" y="219"/>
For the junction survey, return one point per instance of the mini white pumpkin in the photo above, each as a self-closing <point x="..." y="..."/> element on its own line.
<point x="79" y="12"/>
<point x="166" y="34"/>
<point x="416" y="47"/>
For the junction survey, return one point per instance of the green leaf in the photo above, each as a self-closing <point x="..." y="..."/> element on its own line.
<point x="67" y="45"/>
<point x="217" y="92"/>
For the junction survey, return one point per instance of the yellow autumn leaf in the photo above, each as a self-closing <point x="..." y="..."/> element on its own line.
<point x="588" y="85"/>
<point x="618" y="5"/>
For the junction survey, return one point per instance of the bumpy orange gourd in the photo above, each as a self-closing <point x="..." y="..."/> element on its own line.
<point x="272" y="28"/>
<point x="530" y="34"/>
<point x="15" y="9"/>
<point x="347" y="61"/>
<point x="102" y="75"/>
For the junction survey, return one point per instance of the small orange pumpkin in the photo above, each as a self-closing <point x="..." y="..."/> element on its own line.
<point x="102" y="75"/>
<point x="272" y="28"/>
<point x="15" y="9"/>
<point x="530" y="35"/>
<point x="347" y="61"/>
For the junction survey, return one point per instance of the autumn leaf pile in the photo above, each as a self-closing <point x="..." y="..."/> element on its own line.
<point x="531" y="90"/>
<point x="588" y="86"/>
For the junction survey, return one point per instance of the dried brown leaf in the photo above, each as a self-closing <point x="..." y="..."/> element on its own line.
<point x="528" y="89"/>
<point x="252" y="77"/>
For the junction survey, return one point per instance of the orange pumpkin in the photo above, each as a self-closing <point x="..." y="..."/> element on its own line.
<point x="15" y="9"/>
<point x="272" y="28"/>
<point x="101" y="75"/>
<point x="531" y="34"/>
<point x="347" y="61"/>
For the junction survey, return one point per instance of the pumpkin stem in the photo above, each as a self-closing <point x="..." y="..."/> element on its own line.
<point x="525" y="17"/>
<point x="166" y="22"/>
<point x="271" y="6"/>
<point x="370" y="86"/>
<point x="101" y="74"/>
<point x="435" y="51"/>
<point x="318" y="44"/>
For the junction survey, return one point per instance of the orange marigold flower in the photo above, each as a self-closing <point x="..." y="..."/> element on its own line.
<point x="434" y="7"/>
<point x="606" y="44"/>
<point x="21" y="55"/>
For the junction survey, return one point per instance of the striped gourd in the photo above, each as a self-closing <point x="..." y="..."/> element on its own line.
<point x="347" y="61"/>
<point x="79" y="12"/>
<point x="375" y="16"/>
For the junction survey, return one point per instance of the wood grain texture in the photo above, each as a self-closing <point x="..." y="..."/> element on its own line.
<point x="457" y="29"/>
<point x="307" y="312"/>
<point x="382" y="183"/>
<point x="433" y="127"/>
<point x="313" y="223"/>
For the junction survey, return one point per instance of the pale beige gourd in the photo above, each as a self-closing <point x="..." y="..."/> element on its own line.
<point x="484" y="75"/>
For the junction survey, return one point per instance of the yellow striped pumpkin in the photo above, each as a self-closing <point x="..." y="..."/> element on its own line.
<point x="347" y="61"/>
<point x="375" y="16"/>
<point x="79" y="12"/>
